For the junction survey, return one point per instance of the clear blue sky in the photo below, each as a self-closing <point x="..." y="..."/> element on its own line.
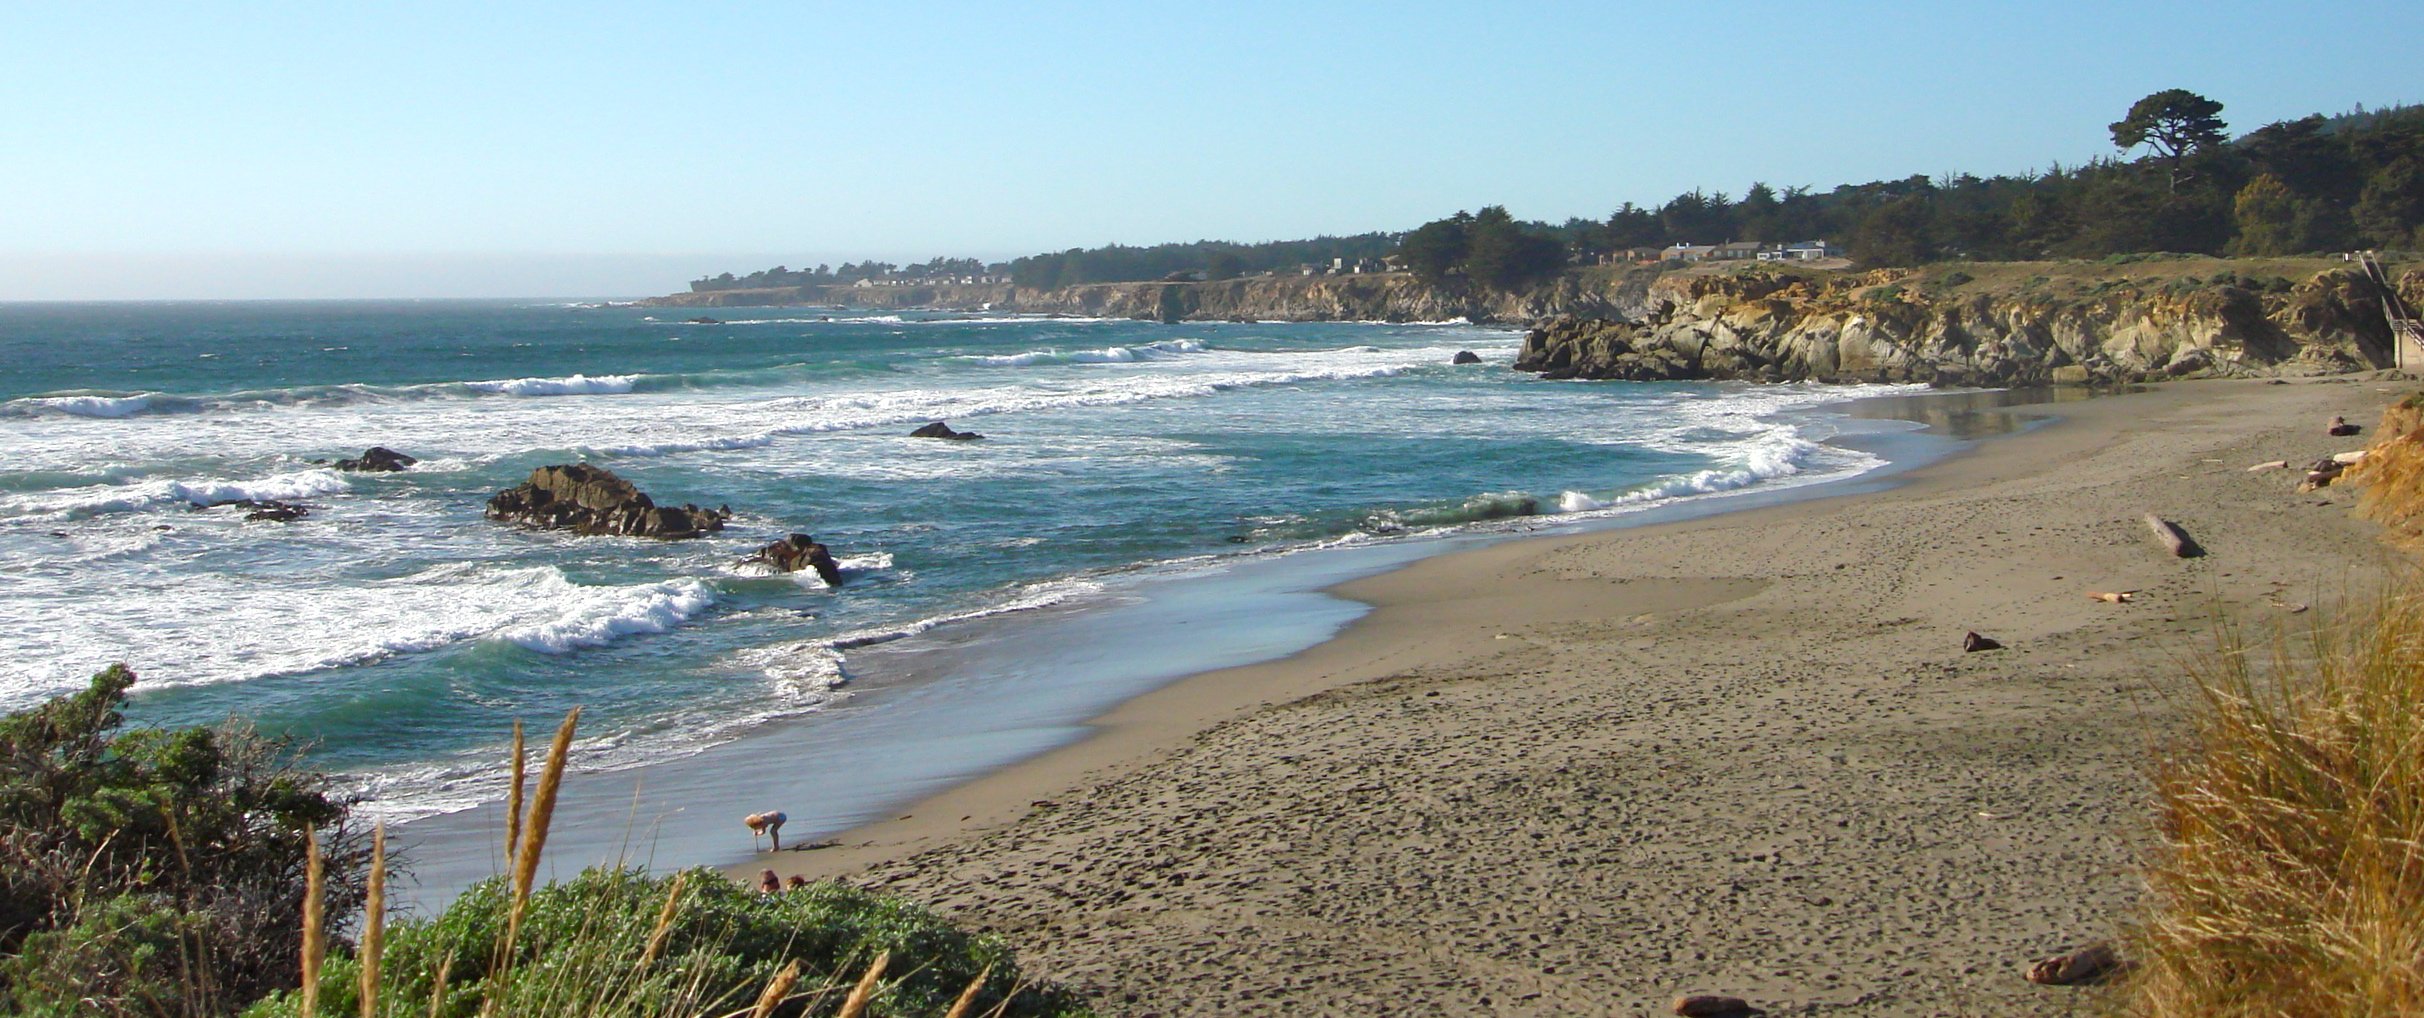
<point x="433" y="149"/>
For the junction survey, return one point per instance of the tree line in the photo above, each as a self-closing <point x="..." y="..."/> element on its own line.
<point x="849" y="272"/>
<point x="2178" y="183"/>
<point x="2314" y="184"/>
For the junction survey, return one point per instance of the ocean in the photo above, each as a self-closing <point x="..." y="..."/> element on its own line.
<point x="398" y="633"/>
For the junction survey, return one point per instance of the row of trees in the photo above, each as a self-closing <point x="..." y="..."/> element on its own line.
<point x="1488" y="247"/>
<point x="2314" y="184"/>
<point x="1216" y="259"/>
<point x="850" y="272"/>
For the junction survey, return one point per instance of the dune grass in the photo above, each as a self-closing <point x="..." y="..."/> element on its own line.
<point x="622" y="943"/>
<point x="2289" y="874"/>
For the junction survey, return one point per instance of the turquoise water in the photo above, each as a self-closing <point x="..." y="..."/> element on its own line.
<point x="401" y="632"/>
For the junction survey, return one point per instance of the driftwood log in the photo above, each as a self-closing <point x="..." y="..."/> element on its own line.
<point x="2175" y="539"/>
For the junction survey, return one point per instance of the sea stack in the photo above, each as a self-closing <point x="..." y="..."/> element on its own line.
<point x="586" y="499"/>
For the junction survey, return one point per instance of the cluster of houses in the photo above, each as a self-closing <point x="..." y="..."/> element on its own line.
<point x="966" y="280"/>
<point x="1732" y="251"/>
<point x="1348" y="267"/>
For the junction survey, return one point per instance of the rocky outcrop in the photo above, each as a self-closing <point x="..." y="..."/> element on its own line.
<point x="1465" y="357"/>
<point x="586" y="499"/>
<point x="376" y="459"/>
<point x="797" y="552"/>
<point x="940" y="429"/>
<point x="1773" y="324"/>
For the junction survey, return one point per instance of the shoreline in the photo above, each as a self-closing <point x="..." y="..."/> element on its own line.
<point x="1174" y="709"/>
<point x="1008" y="688"/>
<point x="1242" y="812"/>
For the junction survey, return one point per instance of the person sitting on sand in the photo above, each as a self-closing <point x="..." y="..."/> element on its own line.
<point x="795" y="883"/>
<point x="768" y="883"/>
<point x="769" y="823"/>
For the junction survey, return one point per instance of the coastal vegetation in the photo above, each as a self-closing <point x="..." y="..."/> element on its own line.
<point x="2288" y="877"/>
<point x="204" y="871"/>
<point x="149" y="872"/>
<point x="2314" y="184"/>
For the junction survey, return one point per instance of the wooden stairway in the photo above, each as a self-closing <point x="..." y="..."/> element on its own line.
<point x="2406" y="333"/>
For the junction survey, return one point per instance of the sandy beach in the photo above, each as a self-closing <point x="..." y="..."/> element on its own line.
<point x="1744" y="754"/>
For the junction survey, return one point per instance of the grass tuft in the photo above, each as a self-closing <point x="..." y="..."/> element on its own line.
<point x="2289" y="877"/>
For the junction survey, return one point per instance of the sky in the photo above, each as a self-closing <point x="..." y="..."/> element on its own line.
<point x="432" y="149"/>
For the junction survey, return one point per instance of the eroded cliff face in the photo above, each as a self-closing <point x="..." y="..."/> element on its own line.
<point x="1376" y="297"/>
<point x="1766" y="324"/>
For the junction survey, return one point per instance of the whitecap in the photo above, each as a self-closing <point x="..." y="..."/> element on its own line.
<point x="601" y="617"/>
<point x="570" y="385"/>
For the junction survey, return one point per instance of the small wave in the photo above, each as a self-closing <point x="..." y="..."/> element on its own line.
<point x="1480" y="508"/>
<point x="1780" y="457"/>
<point x="93" y="404"/>
<point x="616" y="612"/>
<point x="1106" y="355"/>
<point x="570" y="385"/>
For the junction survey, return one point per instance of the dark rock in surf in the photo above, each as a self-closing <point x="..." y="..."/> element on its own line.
<point x="273" y="511"/>
<point x="259" y="510"/>
<point x="1465" y="357"/>
<point x="939" y="429"/>
<point x="701" y="321"/>
<point x="591" y="500"/>
<point x="377" y="460"/>
<point x="797" y="552"/>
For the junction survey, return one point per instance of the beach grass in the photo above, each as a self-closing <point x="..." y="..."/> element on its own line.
<point x="622" y="943"/>
<point x="2289" y="874"/>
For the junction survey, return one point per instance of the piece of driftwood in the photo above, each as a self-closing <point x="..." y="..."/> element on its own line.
<point x="2175" y="539"/>
<point x="2269" y="465"/>
<point x="2340" y="428"/>
<point x="2349" y="458"/>
<point x="2112" y="596"/>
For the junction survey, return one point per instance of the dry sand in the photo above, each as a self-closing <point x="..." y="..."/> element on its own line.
<point x="1743" y="755"/>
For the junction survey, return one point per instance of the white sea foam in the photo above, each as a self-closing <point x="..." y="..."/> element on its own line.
<point x="1781" y="455"/>
<point x="570" y="385"/>
<point x="870" y="562"/>
<point x="1106" y="355"/>
<point x="602" y="616"/>
<point x="135" y="496"/>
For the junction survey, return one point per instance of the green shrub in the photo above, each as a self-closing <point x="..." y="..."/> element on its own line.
<point x="137" y="862"/>
<point x="1954" y="278"/>
<point x="583" y="942"/>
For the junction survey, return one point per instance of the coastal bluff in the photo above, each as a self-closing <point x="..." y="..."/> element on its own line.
<point x="1987" y="324"/>
<point x="1362" y="297"/>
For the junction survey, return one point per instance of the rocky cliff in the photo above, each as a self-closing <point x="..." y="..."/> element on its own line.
<point x="2097" y="324"/>
<point x="1375" y="297"/>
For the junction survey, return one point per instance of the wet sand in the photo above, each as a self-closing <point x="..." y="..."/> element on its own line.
<point x="1743" y="754"/>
